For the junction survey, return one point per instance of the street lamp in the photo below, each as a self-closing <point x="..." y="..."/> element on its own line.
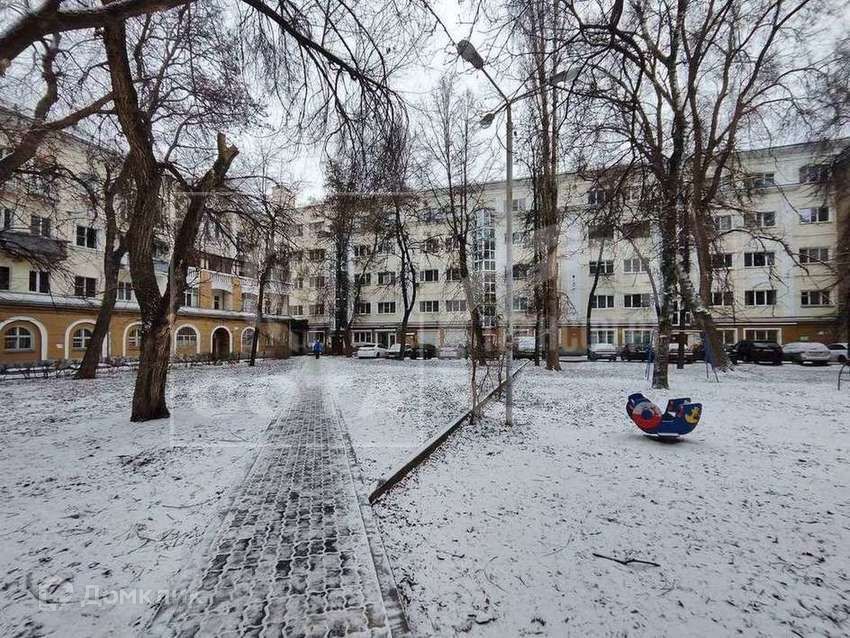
<point x="467" y="52"/>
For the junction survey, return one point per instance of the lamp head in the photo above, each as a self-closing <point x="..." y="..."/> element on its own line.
<point x="562" y="77"/>
<point x="487" y="120"/>
<point x="468" y="53"/>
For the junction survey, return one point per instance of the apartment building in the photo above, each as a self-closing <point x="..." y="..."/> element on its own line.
<point x="51" y="272"/>
<point x="775" y="272"/>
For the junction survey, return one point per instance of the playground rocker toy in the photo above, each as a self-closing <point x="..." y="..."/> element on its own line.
<point x="680" y="417"/>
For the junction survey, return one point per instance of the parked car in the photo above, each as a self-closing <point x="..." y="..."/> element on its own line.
<point x="838" y="352"/>
<point x="424" y="351"/>
<point x="807" y="352"/>
<point x="634" y="352"/>
<point x="524" y="347"/>
<point x="371" y="351"/>
<point x="674" y="352"/>
<point x="394" y="351"/>
<point x="756" y="352"/>
<point x="598" y="351"/>
<point x="451" y="352"/>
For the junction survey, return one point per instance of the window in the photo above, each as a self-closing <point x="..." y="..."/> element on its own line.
<point x="451" y="243"/>
<point x="187" y="336"/>
<point x="634" y="265"/>
<point x="723" y="298"/>
<point x="362" y="336"/>
<point x="814" y="255"/>
<point x="386" y="307"/>
<point x="814" y="173"/>
<point x="218" y="302"/>
<point x="81" y="338"/>
<point x="596" y="197"/>
<point x="519" y="204"/>
<point x="317" y="308"/>
<point x="602" y="267"/>
<point x="771" y="336"/>
<point x="298" y="282"/>
<point x="429" y="306"/>
<point x="520" y="238"/>
<point x="637" y="337"/>
<point x="723" y="223"/>
<point x="636" y="230"/>
<point x="815" y="298"/>
<point x="429" y="275"/>
<point x="363" y="279"/>
<point x="316" y="254"/>
<point x="386" y="278"/>
<point x="759" y="180"/>
<point x="85" y="286"/>
<point x="432" y="245"/>
<point x="361" y="251"/>
<point x="5" y="276"/>
<point x="601" y="336"/>
<point x="318" y="282"/>
<point x="455" y="305"/>
<point x="190" y="297"/>
<point x="296" y="310"/>
<point x="453" y="274"/>
<point x="39" y="281"/>
<point x="637" y="300"/>
<point x="125" y="291"/>
<point x="600" y="231"/>
<point x="86" y="237"/>
<point x="818" y="215"/>
<point x="364" y="308"/>
<point x="385" y="247"/>
<point x="721" y="260"/>
<point x="134" y="337"/>
<point x="761" y="219"/>
<point x="602" y="301"/>
<point x="758" y="260"/>
<point x="521" y="271"/>
<point x="760" y="297"/>
<point x="521" y="304"/>
<point x="18" y="339"/>
<point x="40" y="226"/>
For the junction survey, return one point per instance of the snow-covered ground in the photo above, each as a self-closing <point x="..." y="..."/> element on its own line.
<point x="748" y="518"/>
<point x="93" y="507"/>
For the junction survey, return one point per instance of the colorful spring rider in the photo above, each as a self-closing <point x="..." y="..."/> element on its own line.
<point x="680" y="417"/>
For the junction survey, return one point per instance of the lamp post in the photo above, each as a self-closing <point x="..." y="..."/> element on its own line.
<point x="467" y="52"/>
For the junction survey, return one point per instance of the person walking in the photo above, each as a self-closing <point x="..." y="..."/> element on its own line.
<point x="317" y="348"/>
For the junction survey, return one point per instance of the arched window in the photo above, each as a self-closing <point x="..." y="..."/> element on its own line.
<point x="81" y="338"/>
<point x="18" y="338"/>
<point x="187" y="336"/>
<point x="134" y="337"/>
<point x="247" y="339"/>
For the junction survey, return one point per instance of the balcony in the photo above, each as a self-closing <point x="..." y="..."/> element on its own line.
<point x="28" y="246"/>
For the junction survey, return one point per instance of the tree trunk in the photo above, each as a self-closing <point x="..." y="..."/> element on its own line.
<point x="149" y="393"/>
<point x="88" y="366"/>
<point x="553" y="360"/>
<point x="669" y="251"/>
<point x="590" y="295"/>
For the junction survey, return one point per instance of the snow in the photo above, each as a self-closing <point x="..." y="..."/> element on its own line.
<point x="95" y="507"/>
<point x="747" y="517"/>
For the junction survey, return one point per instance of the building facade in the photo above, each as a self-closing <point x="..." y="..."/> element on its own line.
<point x="774" y="272"/>
<point x="51" y="272"/>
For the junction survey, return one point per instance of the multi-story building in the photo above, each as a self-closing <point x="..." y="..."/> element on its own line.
<point x="774" y="271"/>
<point x="51" y="272"/>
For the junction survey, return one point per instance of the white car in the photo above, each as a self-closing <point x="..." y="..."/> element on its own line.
<point x="598" y="351"/>
<point x="806" y="352"/>
<point x="450" y="352"/>
<point x="838" y="352"/>
<point x="371" y="351"/>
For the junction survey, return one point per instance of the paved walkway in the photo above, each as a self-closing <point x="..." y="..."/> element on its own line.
<point x="298" y="553"/>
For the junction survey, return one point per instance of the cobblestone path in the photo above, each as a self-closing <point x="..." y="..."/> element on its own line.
<point x="298" y="553"/>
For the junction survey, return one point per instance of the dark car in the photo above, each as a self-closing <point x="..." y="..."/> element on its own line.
<point x="423" y="351"/>
<point x="756" y="352"/>
<point x="634" y="352"/>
